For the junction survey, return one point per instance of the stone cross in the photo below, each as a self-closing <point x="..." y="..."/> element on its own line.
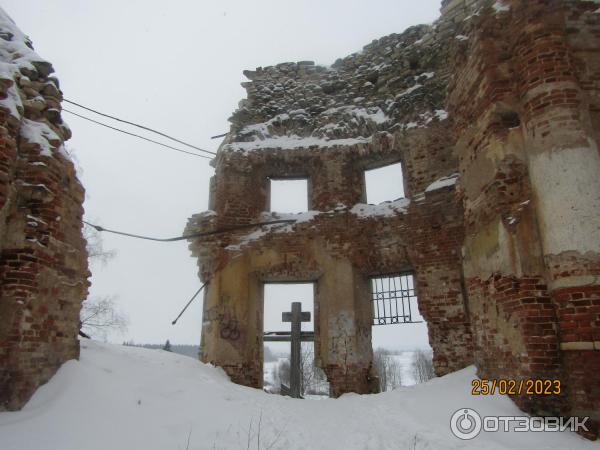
<point x="296" y="316"/>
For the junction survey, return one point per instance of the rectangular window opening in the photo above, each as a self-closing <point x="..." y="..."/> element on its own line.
<point x="394" y="300"/>
<point x="384" y="184"/>
<point x="278" y="298"/>
<point x="288" y="195"/>
<point x="402" y="355"/>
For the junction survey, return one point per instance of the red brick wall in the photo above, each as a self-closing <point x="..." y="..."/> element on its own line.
<point x="528" y="83"/>
<point x="43" y="261"/>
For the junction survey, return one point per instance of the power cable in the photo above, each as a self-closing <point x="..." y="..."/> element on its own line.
<point x="136" y="135"/>
<point x="193" y="235"/>
<point x="139" y="126"/>
<point x="189" y="303"/>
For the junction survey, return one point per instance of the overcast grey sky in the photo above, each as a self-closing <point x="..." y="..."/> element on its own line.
<point x="177" y="66"/>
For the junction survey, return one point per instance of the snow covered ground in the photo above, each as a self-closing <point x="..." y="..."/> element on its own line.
<point x="130" y="398"/>
<point x="405" y="360"/>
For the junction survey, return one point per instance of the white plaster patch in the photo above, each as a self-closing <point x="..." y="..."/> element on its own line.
<point x="567" y="187"/>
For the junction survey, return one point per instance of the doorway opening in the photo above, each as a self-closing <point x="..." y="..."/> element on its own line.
<point x="401" y="351"/>
<point x="278" y="298"/>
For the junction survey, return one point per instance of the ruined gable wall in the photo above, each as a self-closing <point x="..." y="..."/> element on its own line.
<point x="382" y="105"/>
<point x="520" y="81"/>
<point x="43" y="262"/>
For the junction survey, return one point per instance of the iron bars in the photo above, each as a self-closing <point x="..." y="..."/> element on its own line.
<point x="394" y="300"/>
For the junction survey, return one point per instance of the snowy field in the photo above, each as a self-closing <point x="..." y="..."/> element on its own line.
<point x="130" y="398"/>
<point x="404" y="359"/>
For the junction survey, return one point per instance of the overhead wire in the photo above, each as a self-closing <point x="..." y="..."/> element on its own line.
<point x="187" y="236"/>
<point x="136" y="135"/>
<point x="178" y="238"/>
<point x="138" y="126"/>
<point x="192" y="235"/>
<point x="189" y="303"/>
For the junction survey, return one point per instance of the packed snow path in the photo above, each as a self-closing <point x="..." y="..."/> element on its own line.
<point x="131" y="398"/>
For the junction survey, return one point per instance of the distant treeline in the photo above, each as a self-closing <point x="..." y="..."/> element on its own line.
<point x="269" y="355"/>
<point x="190" y="350"/>
<point x="186" y="350"/>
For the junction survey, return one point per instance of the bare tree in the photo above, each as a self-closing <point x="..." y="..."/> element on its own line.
<point x="422" y="366"/>
<point x="95" y="246"/>
<point x="388" y="369"/>
<point x="99" y="316"/>
<point x="283" y="372"/>
<point x="312" y="378"/>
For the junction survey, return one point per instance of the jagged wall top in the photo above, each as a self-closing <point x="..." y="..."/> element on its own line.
<point x="28" y="93"/>
<point x="395" y="83"/>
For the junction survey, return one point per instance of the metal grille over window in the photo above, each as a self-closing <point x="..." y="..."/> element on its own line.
<point x="394" y="300"/>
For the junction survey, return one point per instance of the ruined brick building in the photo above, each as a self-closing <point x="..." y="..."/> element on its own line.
<point x="494" y="113"/>
<point x="43" y="261"/>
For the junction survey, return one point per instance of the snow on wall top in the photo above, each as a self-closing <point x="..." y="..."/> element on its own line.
<point x="293" y="142"/>
<point x="395" y="83"/>
<point x="361" y="210"/>
<point x="385" y="209"/>
<point x="39" y="133"/>
<point x="443" y="182"/>
<point x="16" y="53"/>
<point x="255" y="235"/>
<point x="27" y="92"/>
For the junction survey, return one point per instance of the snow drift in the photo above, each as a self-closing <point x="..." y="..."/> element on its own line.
<point x="132" y="398"/>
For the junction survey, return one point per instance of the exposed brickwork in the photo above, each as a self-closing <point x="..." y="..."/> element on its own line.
<point x="349" y="378"/>
<point x="523" y="104"/>
<point x="503" y="96"/>
<point x="516" y="334"/>
<point x="43" y="264"/>
<point x="506" y="261"/>
<point x="436" y="236"/>
<point x="329" y="125"/>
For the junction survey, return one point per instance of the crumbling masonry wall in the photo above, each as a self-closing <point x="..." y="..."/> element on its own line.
<point x="43" y="262"/>
<point x="526" y="110"/>
<point x="330" y="124"/>
<point x="494" y="112"/>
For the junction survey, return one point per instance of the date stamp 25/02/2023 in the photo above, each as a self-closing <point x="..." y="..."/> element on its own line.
<point x="515" y="387"/>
